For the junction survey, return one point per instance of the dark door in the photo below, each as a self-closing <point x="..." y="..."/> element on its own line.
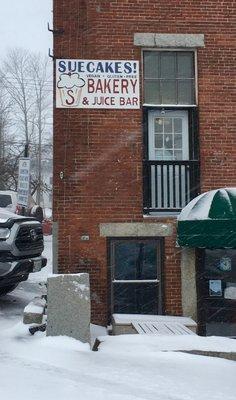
<point x="217" y="292"/>
<point x="135" y="276"/>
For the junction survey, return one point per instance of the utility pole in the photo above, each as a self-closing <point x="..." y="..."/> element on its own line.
<point x="38" y="195"/>
<point x="26" y="155"/>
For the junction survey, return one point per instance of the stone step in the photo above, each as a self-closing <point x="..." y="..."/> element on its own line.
<point x="34" y="311"/>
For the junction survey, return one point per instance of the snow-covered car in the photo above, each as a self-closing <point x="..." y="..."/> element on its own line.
<point x="8" y="200"/>
<point x="21" y="247"/>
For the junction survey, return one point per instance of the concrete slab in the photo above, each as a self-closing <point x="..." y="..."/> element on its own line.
<point x="68" y="306"/>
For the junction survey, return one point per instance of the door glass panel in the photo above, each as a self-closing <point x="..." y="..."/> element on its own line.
<point x="168" y="141"/>
<point x="220" y="263"/>
<point x="178" y="155"/>
<point x="159" y="124"/>
<point x="168" y="155"/>
<point x="167" y="125"/>
<point x="221" y="321"/>
<point x="135" y="298"/>
<point x="159" y="141"/>
<point x="159" y="155"/>
<point x="178" y="125"/>
<point x="135" y="260"/>
<point x="178" y="141"/>
<point x="218" y="292"/>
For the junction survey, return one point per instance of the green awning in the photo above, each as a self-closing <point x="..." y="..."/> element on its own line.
<point x="209" y="221"/>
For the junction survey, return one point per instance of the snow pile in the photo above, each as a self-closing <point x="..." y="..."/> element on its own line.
<point x="150" y="344"/>
<point x="36" y="306"/>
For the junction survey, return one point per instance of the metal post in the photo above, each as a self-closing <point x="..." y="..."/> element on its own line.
<point x="26" y="154"/>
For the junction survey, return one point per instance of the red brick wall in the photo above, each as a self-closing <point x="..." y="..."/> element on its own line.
<point x="100" y="151"/>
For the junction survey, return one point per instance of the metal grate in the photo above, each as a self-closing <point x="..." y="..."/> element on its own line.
<point x="29" y="237"/>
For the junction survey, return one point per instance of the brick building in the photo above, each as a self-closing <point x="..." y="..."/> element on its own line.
<point x="123" y="174"/>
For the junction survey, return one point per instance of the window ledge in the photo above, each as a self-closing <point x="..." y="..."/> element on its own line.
<point x="164" y="40"/>
<point x="160" y="214"/>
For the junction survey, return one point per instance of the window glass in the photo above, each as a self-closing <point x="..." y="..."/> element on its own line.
<point x="152" y="92"/>
<point x="151" y="64"/>
<point x="185" y="92"/>
<point x="185" y="65"/>
<point x="5" y="200"/>
<point x="168" y="67"/>
<point x="168" y="92"/>
<point x="169" y="77"/>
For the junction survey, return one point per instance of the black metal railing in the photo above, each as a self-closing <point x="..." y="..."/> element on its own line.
<point x="169" y="185"/>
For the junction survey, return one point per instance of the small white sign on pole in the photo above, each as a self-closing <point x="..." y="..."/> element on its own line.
<point x="97" y="84"/>
<point x="23" y="181"/>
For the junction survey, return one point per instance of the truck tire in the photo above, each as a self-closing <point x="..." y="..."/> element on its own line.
<point x="37" y="212"/>
<point x="7" y="289"/>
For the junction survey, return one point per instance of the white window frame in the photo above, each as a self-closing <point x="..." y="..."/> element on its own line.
<point x="192" y="50"/>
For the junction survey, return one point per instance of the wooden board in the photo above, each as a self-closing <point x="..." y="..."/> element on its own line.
<point x="161" y="328"/>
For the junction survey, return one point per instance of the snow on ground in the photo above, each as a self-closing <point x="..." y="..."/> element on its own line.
<point x="151" y="344"/>
<point x="129" y="367"/>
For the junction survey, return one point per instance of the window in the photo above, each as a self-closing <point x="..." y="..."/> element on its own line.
<point x="169" y="78"/>
<point x="5" y="200"/>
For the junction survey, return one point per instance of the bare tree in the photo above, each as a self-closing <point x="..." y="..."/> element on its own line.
<point x="26" y="79"/>
<point x="39" y="73"/>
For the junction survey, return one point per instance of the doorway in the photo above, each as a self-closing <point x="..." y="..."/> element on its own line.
<point x="168" y="148"/>
<point x="216" y="283"/>
<point x="136" y="283"/>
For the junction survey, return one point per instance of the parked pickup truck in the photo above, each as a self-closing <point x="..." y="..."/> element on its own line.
<point x="21" y="247"/>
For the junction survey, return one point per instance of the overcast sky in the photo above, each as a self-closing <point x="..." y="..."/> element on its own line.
<point x="23" y="23"/>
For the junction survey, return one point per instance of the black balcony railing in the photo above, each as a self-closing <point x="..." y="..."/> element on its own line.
<point x="169" y="185"/>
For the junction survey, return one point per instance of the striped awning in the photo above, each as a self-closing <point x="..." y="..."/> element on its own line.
<point x="209" y="221"/>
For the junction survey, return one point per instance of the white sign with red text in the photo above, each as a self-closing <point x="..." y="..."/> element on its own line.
<point x="97" y="84"/>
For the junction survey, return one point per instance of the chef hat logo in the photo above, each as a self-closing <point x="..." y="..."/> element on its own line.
<point x="70" y="80"/>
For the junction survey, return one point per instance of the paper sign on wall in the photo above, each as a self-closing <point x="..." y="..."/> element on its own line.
<point x="97" y="84"/>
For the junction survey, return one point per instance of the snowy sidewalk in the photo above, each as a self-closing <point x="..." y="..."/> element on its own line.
<point x="129" y="367"/>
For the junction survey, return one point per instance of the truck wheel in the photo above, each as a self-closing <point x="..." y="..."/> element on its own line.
<point x="7" y="289"/>
<point x="37" y="212"/>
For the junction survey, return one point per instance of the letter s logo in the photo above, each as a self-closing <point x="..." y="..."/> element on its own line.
<point x="62" y="66"/>
<point x="70" y="101"/>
